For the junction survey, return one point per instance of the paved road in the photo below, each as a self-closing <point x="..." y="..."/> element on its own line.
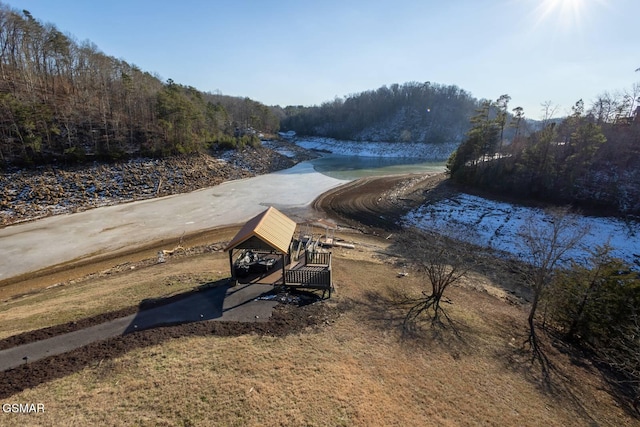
<point x="50" y="241"/>
<point x="219" y="303"/>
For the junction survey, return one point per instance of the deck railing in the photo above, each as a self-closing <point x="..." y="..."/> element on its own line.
<point x="321" y="278"/>
<point x="319" y="258"/>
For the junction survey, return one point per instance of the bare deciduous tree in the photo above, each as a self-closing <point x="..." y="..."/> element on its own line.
<point x="441" y="262"/>
<point x="549" y="110"/>
<point x="545" y="244"/>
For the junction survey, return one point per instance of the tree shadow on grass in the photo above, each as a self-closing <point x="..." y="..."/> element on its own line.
<point x="620" y="387"/>
<point x="389" y="309"/>
<point x="558" y="371"/>
<point x="626" y="392"/>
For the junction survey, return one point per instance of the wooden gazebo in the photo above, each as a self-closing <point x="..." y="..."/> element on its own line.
<point x="269" y="231"/>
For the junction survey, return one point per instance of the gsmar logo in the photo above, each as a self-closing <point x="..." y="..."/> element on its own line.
<point x="22" y="408"/>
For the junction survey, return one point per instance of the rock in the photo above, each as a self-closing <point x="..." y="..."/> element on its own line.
<point x="29" y="194"/>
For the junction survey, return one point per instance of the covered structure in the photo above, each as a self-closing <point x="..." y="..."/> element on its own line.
<point x="270" y="231"/>
<point x="270" y="234"/>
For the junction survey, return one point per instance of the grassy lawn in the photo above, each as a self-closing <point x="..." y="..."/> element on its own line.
<point x="109" y="291"/>
<point x="356" y="371"/>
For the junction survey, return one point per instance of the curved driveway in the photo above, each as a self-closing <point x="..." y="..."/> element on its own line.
<point x="220" y="303"/>
<point x="50" y="241"/>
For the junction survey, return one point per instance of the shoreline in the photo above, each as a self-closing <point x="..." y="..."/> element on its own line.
<point x="28" y="195"/>
<point x="337" y="202"/>
<point x="61" y="239"/>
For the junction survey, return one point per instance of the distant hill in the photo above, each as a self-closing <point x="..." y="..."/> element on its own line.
<point x="411" y="112"/>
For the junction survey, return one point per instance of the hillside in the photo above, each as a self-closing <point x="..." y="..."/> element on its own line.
<point x="589" y="160"/>
<point x="68" y="102"/>
<point x="411" y="112"/>
<point x="413" y="150"/>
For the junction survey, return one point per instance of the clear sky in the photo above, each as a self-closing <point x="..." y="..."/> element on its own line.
<point x="304" y="52"/>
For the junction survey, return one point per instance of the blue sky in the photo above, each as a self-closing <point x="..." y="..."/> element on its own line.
<point x="302" y="52"/>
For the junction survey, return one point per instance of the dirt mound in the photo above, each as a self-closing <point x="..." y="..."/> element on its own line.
<point x="379" y="202"/>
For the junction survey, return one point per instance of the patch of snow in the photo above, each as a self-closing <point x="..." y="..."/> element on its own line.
<point x="379" y="149"/>
<point x="287" y="153"/>
<point x="497" y="225"/>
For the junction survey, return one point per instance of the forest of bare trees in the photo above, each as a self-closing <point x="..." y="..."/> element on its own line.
<point x="411" y="112"/>
<point x="60" y="99"/>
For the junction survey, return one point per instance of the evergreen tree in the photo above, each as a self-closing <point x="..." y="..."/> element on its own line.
<point x="479" y="145"/>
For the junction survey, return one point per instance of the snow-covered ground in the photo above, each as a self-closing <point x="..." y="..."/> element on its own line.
<point x="273" y="145"/>
<point x="378" y="149"/>
<point x="497" y="225"/>
<point x="484" y="222"/>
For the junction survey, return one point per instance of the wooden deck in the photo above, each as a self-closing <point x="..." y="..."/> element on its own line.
<point x="313" y="271"/>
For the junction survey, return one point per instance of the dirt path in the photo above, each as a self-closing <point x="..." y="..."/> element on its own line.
<point x="377" y="202"/>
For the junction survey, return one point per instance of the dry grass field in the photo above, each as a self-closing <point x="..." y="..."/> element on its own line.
<point x="356" y="370"/>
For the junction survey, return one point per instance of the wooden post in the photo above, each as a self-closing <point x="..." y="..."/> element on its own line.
<point x="330" y="275"/>
<point x="233" y="271"/>
<point x="284" y="269"/>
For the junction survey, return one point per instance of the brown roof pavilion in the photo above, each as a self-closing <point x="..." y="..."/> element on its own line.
<point x="271" y="227"/>
<point x="272" y="231"/>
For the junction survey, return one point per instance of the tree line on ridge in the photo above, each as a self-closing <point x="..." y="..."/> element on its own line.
<point x="590" y="159"/>
<point x="412" y="112"/>
<point x="60" y="99"/>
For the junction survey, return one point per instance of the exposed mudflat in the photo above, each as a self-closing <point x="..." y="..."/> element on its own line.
<point x="54" y="190"/>
<point x="380" y="202"/>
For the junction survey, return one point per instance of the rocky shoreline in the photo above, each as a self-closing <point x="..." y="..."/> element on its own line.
<point x="32" y="194"/>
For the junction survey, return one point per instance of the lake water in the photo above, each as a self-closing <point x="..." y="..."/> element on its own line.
<point x="354" y="167"/>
